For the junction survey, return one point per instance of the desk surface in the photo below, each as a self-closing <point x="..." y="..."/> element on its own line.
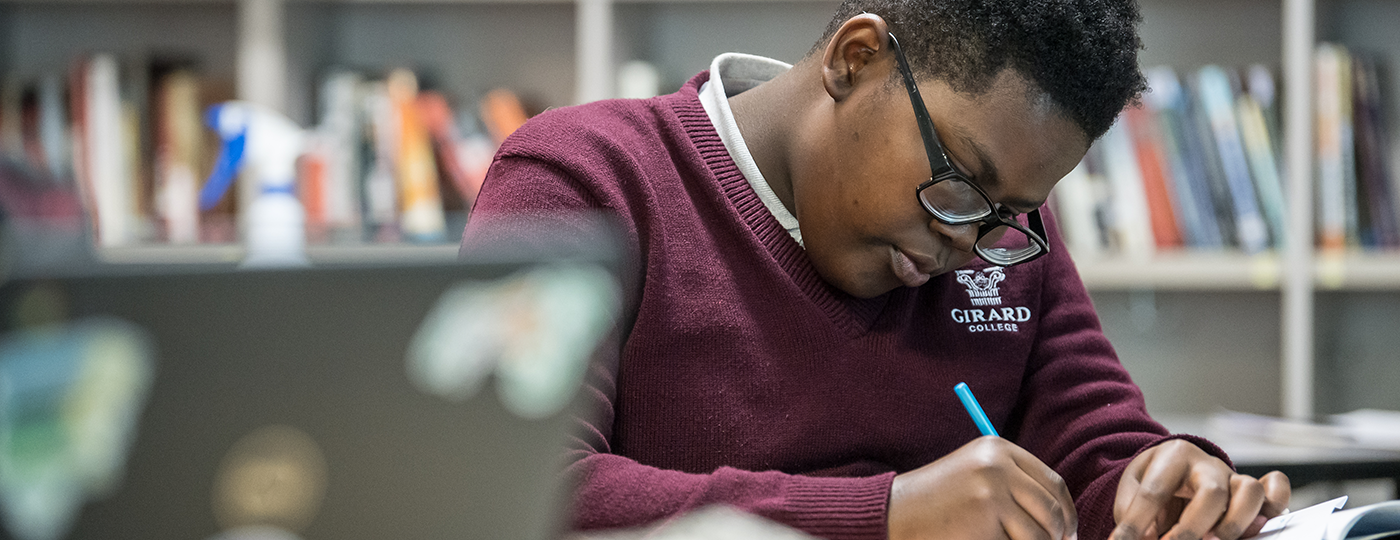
<point x="1303" y="464"/>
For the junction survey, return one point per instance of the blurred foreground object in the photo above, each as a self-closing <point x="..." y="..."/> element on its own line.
<point x="709" y="523"/>
<point x="70" y="395"/>
<point x="338" y="401"/>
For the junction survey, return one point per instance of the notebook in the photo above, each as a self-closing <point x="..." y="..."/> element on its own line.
<point x="421" y="401"/>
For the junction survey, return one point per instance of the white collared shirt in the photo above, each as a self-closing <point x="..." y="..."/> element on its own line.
<point x="731" y="74"/>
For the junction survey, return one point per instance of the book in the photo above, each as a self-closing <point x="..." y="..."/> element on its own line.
<point x="1263" y="163"/>
<point x="1264" y="89"/>
<point x="107" y="150"/>
<point x="1376" y="212"/>
<point x="420" y="202"/>
<point x="1074" y="202"/>
<point x="1129" y="224"/>
<point x="1218" y="103"/>
<point x="53" y="129"/>
<point x="438" y="120"/>
<point x="1202" y="149"/>
<point x="1324" y="521"/>
<point x="1142" y="128"/>
<point x="1334" y="147"/>
<point x="340" y="135"/>
<point x="179" y="145"/>
<point x="502" y="113"/>
<point x="381" y="200"/>
<point x="1195" y="211"/>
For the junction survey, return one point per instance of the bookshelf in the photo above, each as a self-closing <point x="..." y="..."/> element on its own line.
<point x="558" y="52"/>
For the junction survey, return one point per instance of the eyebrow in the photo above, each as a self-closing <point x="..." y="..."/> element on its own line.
<point x="989" y="176"/>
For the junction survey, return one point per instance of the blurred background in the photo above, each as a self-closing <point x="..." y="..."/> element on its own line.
<point x="1238" y="231"/>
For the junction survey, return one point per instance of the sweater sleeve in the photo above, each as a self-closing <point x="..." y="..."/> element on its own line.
<point x="614" y="491"/>
<point x="1079" y="411"/>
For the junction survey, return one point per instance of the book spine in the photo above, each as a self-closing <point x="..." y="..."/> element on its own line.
<point x="1196" y="212"/>
<point x="420" y="201"/>
<point x="178" y="147"/>
<point x="1331" y="174"/>
<point x="53" y="132"/>
<point x="1074" y="202"/>
<point x="341" y="128"/>
<point x="105" y="141"/>
<point x="437" y="118"/>
<point x="1203" y="151"/>
<point x="381" y="201"/>
<point x="1130" y="223"/>
<point x="1378" y="219"/>
<point x="1217" y="99"/>
<point x="1147" y="145"/>
<point x="1262" y="162"/>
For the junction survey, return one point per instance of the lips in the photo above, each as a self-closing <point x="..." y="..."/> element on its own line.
<point x="905" y="269"/>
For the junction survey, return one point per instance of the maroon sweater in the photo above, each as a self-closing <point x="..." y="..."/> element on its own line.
<point x="745" y="379"/>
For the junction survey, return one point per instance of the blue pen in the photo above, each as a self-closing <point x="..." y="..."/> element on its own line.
<point x="973" y="409"/>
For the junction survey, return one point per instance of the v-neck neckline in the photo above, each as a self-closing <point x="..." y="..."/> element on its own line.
<point x="853" y="315"/>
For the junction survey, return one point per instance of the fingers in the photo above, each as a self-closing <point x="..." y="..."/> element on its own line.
<point x="1277" y="491"/>
<point x="1185" y="494"/>
<point x="1059" y="514"/>
<point x="1246" y="499"/>
<point x="1145" y="491"/>
<point x="1048" y="514"/>
<point x="1022" y="525"/>
<point x="1210" y="497"/>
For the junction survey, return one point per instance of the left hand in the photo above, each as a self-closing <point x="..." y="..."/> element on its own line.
<point x="1177" y="491"/>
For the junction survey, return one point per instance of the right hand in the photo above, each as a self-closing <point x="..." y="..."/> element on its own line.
<point x="988" y="489"/>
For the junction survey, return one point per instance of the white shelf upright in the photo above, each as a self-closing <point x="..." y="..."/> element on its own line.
<point x="1298" y="283"/>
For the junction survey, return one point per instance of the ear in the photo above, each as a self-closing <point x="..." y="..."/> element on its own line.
<point x="851" y="52"/>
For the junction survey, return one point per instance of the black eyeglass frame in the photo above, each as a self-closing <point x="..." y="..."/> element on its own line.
<point x="943" y="170"/>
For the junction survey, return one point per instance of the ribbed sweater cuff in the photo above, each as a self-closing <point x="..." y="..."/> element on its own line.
<point x="841" y="508"/>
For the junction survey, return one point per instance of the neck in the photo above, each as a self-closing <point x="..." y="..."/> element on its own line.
<point x="769" y="117"/>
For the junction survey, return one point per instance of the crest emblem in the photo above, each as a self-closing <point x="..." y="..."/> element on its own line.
<point x="982" y="285"/>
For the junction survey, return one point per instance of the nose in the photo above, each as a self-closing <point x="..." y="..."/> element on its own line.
<point x="960" y="237"/>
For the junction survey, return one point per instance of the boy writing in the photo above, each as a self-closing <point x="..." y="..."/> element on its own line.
<point x="820" y="252"/>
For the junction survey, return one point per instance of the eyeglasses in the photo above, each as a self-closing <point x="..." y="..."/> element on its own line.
<point x="955" y="200"/>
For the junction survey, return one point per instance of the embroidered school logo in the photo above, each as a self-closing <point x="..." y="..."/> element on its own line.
<point x="982" y="285"/>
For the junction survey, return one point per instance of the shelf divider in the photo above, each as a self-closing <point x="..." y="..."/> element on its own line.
<point x="1299" y="21"/>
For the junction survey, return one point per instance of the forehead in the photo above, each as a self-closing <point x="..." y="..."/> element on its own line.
<point x="1012" y="138"/>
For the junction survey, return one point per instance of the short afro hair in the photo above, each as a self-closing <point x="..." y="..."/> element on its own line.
<point x="1081" y="53"/>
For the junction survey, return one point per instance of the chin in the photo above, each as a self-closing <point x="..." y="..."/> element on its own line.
<point x="865" y="286"/>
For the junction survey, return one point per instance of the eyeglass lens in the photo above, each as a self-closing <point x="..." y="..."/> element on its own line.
<point x="954" y="201"/>
<point x="1006" y="245"/>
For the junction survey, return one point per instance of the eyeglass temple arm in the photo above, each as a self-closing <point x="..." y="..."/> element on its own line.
<point x="917" y="100"/>
<point x="1038" y="227"/>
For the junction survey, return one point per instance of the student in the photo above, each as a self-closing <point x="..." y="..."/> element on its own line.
<point x="820" y="253"/>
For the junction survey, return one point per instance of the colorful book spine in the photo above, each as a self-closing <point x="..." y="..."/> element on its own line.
<point x="341" y="132"/>
<point x="1377" y="213"/>
<point x="381" y="198"/>
<point x="1201" y="149"/>
<point x="420" y="201"/>
<point x="1075" y="209"/>
<point x="1263" y="164"/>
<point x="179" y="145"/>
<point x="1130" y="223"/>
<point x="1333" y="139"/>
<point x="1142" y="129"/>
<point x="437" y="118"/>
<point x="1217" y="99"/>
<point x="1167" y="101"/>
